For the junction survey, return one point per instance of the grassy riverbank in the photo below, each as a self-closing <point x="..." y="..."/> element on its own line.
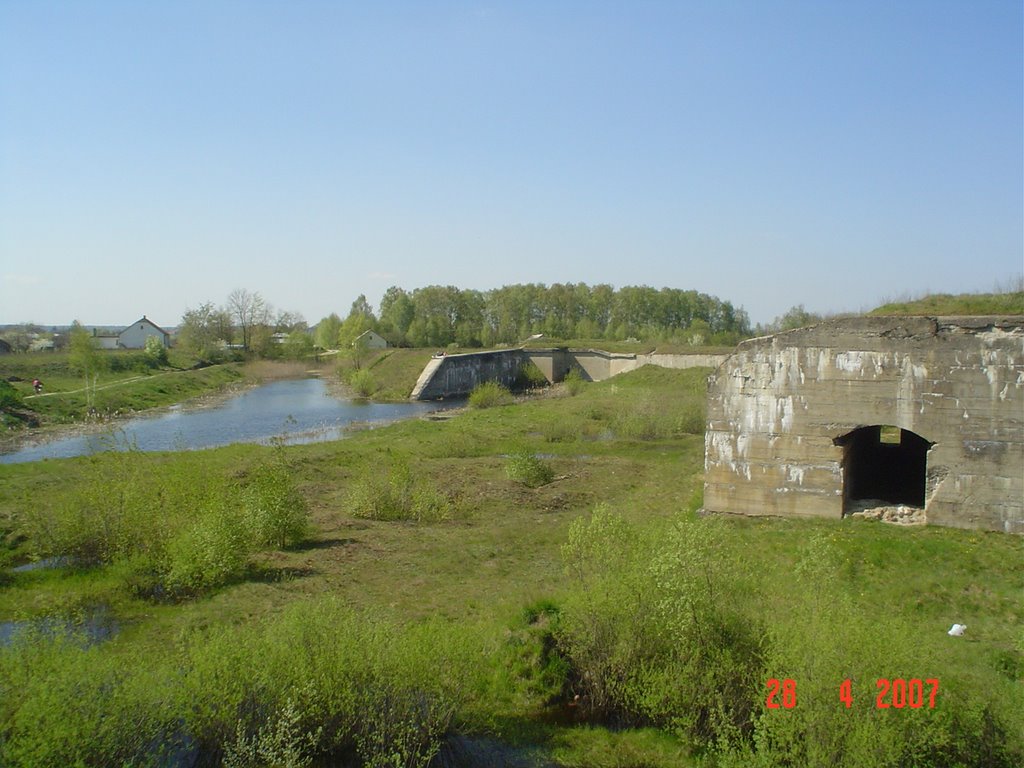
<point x="127" y="383"/>
<point x="591" y="621"/>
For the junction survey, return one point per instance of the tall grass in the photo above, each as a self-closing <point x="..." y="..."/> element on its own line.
<point x="668" y="629"/>
<point x="489" y="394"/>
<point x="169" y="529"/>
<point x="318" y="682"/>
<point x="393" y="492"/>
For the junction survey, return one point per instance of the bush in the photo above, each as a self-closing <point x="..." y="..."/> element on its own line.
<point x="488" y="395"/>
<point x="277" y="514"/>
<point x="393" y="493"/>
<point x="363" y="383"/>
<point x="648" y="637"/>
<point x="67" y="704"/>
<point x="169" y="528"/>
<point x="574" y="382"/>
<point x="156" y="352"/>
<point x="9" y="396"/>
<point x="120" y="511"/>
<point x="210" y="553"/>
<point x="530" y="376"/>
<point x="318" y="683"/>
<point x="561" y="428"/>
<point x="525" y="468"/>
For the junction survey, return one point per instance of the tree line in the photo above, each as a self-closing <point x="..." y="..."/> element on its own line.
<point x="438" y="315"/>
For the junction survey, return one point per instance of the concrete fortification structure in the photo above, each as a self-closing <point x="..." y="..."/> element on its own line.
<point x="454" y="375"/>
<point x="910" y="419"/>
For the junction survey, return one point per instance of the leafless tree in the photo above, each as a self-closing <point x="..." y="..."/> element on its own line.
<point x="248" y="310"/>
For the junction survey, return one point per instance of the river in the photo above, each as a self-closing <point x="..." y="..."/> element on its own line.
<point x="292" y="411"/>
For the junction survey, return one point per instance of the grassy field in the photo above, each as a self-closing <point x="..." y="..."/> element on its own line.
<point x="127" y="384"/>
<point x="594" y="620"/>
<point x="392" y="372"/>
<point x="1010" y="303"/>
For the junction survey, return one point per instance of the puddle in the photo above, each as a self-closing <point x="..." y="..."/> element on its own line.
<point x="42" y="565"/>
<point x="92" y="628"/>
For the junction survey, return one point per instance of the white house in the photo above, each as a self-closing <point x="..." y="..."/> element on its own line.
<point x="105" y="338"/>
<point x="371" y="340"/>
<point x="135" y="335"/>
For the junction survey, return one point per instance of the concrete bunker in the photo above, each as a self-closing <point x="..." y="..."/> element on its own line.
<point x="918" y="418"/>
<point x="885" y="464"/>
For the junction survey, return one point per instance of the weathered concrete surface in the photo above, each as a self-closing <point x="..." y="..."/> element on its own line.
<point x="782" y="411"/>
<point x="456" y="375"/>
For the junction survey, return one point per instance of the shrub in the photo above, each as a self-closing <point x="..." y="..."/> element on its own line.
<point x="119" y="511"/>
<point x="363" y="383"/>
<point x="574" y="382"/>
<point x="530" y="376"/>
<point x="322" y="680"/>
<point x="488" y="395"/>
<point x="525" y="468"/>
<point x="277" y="513"/>
<point x="211" y="552"/>
<point x="67" y="704"/>
<point x="9" y="396"/>
<point x="319" y="682"/>
<point x="648" y="637"/>
<point x="393" y="493"/>
<point x="156" y="352"/>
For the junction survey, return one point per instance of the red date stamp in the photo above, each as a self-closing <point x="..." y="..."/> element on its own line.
<point x="898" y="693"/>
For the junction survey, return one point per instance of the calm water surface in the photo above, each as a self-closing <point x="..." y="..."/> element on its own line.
<point x="293" y="411"/>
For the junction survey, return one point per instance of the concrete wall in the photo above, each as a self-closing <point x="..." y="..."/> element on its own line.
<point x="780" y="408"/>
<point x="456" y="375"/>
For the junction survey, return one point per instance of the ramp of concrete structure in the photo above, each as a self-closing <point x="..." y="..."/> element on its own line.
<point x="425" y="376"/>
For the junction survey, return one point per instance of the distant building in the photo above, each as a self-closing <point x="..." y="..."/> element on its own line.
<point x="42" y="344"/>
<point x="135" y="335"/>
<point x="5" y="348"/>
<point x="371" y="340"/>
<point x="106" y="338"/>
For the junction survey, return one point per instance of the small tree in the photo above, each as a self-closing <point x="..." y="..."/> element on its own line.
<point x="85" y="358"/>
<point x="276" y="512"/>
<point x="156" y="352"/>
<point x="298" y="345"/>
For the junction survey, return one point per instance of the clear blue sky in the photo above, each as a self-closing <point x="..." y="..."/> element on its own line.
<point x="156" y="155"/>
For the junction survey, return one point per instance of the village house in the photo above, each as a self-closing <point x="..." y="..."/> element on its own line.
<point x="135" y="335"/>
<point x="371" y="340"/>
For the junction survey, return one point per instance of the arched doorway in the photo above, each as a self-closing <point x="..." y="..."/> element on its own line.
<point x="884" y="463"/>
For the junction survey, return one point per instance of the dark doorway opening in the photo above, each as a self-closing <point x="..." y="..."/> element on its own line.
<point x="884" y="463"/>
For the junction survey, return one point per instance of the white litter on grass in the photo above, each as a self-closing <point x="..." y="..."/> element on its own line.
<point x="957" y="630"/>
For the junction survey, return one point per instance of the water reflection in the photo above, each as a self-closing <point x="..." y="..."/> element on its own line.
<point x="293" y="411"/>
<point x="92" y="627"/>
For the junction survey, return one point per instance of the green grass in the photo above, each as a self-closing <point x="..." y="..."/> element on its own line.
<point x="1010" y="303"/>
<point x="479" y="570"/>
<point x="127" y="384"/>
<point x="394" y="371"/>
<point x="628" y="347"/>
